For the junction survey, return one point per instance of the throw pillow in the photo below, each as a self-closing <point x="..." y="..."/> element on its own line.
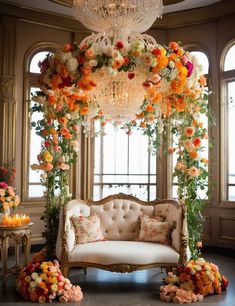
<point x="153" y="230"/>
<point x="87" y="229"/>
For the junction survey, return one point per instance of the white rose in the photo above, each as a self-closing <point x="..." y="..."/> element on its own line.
<point x="64" y="56"/>
<point x="93" y="63"/>
<point x="34" y="275"/>
<point x="72" y="64"/>
<point x="171" y="64"/>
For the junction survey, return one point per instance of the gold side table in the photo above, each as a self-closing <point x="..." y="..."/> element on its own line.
<point x="21" y="236"/>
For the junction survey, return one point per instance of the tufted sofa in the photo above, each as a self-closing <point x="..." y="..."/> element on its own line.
<point x="119" y="215"/>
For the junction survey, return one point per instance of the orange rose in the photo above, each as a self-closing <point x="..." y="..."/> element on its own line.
<point x="149" y="108"/>
<point x="64" y="131"/>
<point x="193" y="154"/>
<point x="189" y="131"/>
<point x="174" y="45"/>
<point x="63" y="121"/>
<point x="84" y="111"/>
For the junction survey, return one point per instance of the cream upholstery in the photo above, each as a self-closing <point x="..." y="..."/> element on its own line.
<point x="119" y="215"/>
<point x="123" y="252"/>
<point x="119" y="218"/>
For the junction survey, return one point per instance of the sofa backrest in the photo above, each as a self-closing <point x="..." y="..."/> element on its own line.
<point x="119" y="216"/>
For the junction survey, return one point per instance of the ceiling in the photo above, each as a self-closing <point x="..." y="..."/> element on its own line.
<point x="64" y="6"/>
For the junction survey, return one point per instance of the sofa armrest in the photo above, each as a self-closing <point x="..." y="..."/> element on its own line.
<point x="66" y="236"/>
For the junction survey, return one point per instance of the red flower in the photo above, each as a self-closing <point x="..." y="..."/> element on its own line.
<point x="156" y="52"/>
<point x="197" y="142"/>
<point x="224" y="283"/>
<point x="131" y="75"/>
<point x="119" y="44"/>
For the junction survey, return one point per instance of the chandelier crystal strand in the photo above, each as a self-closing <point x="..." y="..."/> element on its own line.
<point x="119" y="97"/>
<point x="103" y="15"/>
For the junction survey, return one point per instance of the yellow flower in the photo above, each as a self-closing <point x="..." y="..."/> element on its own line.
<point x="54" y="287"/>
<point x="47" y="157"/>
<point x="27" y="278"/>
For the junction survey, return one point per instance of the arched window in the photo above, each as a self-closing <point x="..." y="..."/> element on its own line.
<point x="202" y="60"/>
<point x="32" y="186"/>
<point x="124" y="164"/>
<point x="228" y="122"/>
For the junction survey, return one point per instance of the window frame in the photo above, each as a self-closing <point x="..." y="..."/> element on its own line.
<point x="30" y="79"/>
<point x="225" y="78"/>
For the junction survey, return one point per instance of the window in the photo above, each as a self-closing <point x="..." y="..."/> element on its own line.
<point x="202" y="59"/>
<point x="32" y="186"/>
<point x="123" y="164"/>
<point x="228" y="123"/>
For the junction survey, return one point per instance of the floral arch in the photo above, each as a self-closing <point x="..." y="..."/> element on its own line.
<point x="174" y="99"/>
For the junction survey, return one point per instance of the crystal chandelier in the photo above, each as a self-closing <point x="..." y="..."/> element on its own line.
<point x="103" y="15"/>
<point x="117" y="96"/>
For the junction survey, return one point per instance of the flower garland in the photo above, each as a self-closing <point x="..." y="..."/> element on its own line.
<point x="175" y="98"/>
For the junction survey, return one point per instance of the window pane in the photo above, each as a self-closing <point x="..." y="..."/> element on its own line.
<point x="34" y="150"/>
<point x="231" y="144"/>
<point x="202" y="60"/>
<point x="123" y="164"/>
<point x="229" y="62"/>
<point x="38" y="57"/>
<point x="36" y="191"/>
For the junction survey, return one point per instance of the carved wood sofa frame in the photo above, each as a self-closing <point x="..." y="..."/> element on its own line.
<point x="124" y="268"/>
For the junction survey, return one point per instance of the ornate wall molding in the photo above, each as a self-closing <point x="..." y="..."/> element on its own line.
<point x="7" y="88"/>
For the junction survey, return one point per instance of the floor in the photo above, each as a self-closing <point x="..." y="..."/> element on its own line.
<point x="139" y="288"/>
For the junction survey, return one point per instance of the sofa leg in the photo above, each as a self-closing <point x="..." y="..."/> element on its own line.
<point x="65" y="270"/>
<point x="85" y="270"/>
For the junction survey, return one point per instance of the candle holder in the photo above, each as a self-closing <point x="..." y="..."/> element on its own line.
<point x="15" y="220"/>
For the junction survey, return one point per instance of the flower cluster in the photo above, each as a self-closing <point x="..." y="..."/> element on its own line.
<point x="8" y="197"/>
<point x="41" y="282"/>
<point x="197" y="279"/>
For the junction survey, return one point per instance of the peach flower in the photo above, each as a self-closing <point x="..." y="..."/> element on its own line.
<point x="193" y="171"/>
<point x="48" y="167"/>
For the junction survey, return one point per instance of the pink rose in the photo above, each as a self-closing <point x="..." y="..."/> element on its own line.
<point x="3" y="185"/>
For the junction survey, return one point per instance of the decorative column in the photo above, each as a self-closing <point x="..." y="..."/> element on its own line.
<point x="7" y="90"/>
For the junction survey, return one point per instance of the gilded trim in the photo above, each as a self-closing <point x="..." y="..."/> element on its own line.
<point x="119" y="268"/>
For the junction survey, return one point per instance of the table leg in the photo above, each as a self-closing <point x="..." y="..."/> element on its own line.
<point x="4" y="241"/>
<point x="17" y="254"/>
<point x="26" y="248"/>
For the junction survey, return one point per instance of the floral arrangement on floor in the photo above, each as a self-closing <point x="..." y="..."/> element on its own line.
<point x="175" y="99"/>
<point x="43" y="282"/>
<point x="192" y="282"/>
